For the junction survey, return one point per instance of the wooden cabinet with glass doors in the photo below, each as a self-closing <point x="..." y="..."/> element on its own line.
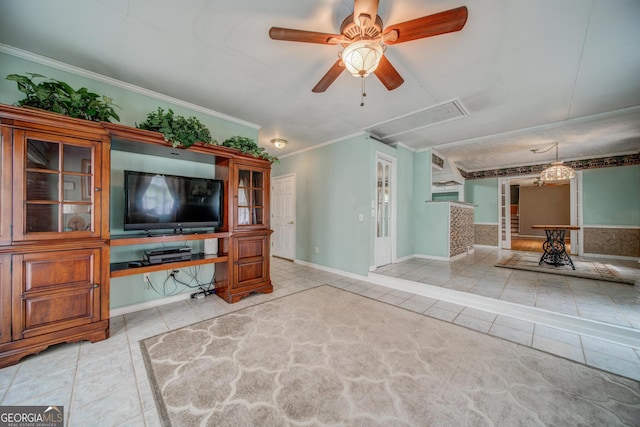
<point x="51" y="232"/>
<point x="249" y="242"/>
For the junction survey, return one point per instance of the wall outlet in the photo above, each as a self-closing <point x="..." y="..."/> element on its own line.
<point x="317" y="250"/>
<point x="146" y="279"/>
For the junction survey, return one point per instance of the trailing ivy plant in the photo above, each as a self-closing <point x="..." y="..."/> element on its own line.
<point x="178" y="130"/>
<point x="249" y="146"/>
<point x="57" y="96"/>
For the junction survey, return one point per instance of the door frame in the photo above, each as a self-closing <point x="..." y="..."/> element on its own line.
<point x="393" y="207"/>
<point x="295" y="219"/>
<point x="575" y="208"/>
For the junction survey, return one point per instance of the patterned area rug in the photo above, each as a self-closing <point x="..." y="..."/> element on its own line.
<point x="586" y="269"/>
<point x="329" y="357"/>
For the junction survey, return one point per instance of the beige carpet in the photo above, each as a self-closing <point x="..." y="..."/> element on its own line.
<point x="586" y="269"/>
<point x="329" y="357"/>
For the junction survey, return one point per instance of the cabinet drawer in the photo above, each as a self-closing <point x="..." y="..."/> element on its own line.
<point x="55" y="290"/>
<point x="52" y="311"/>
<point x="42" y="271"/>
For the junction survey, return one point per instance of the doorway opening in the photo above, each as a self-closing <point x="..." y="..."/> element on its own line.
<point x="527" y="201"/>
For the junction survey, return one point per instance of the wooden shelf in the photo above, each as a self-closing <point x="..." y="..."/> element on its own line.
<point x="141" y="239"/>
<point x="122" y="269"/>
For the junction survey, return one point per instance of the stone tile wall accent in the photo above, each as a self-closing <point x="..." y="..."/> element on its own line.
<point x="612" y="241"/>
<point x="486" y="234"/>
<point x="602" y="162"/>
<point x="461" y="230"/>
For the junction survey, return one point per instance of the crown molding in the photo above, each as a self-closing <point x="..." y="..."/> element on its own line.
<point x="43" y="60"/>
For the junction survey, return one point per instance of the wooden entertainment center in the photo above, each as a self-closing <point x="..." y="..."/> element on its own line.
<point x="55" y="234"/>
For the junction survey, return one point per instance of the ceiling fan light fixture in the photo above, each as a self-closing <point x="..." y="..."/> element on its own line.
<point x="279" y="143"/>
<point x="362" y="57"/>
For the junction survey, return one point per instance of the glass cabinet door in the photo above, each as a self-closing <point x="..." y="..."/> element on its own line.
<point x="251" y="196"/>
<point x="58" y="176"/>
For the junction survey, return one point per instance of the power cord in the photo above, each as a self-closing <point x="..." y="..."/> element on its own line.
<point x="204" y="289"/>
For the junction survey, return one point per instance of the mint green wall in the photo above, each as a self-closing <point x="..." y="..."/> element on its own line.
<point x="425" y="241"/>
<point x="434" y="240"/>
<point x="405" y="245"/>
<point x="134" y="107"/>
<point x="334" y="185"/>
<point x="131" y="289"/>
<point x="611" y="196"/>
<point x="431" y="219"/>
<point x="332" y="189"/>
<point x="484" y="194"/>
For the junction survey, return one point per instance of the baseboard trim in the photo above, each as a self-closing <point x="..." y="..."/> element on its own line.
<point x="433" y="257"/>
<point x="114" y="312"/>
<point x="331" y="270"/>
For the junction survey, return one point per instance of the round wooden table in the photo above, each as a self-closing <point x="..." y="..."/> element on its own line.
<point x="554" y="249"/>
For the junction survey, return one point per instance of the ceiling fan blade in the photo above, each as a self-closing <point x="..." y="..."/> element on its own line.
<point x="330" y="77"/>
<point x="387" y="74"/>
<point x="364" y="12"/>
<point x="448" y="21"/>
<point x="291" y="35"/>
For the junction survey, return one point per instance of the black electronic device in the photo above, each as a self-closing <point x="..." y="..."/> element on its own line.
<point x="158" y="201"/>
<point x="163" y="255"/>
<point x="135" y="264"/>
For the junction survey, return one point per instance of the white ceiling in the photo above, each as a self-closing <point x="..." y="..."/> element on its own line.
<point x="528" y="72"/>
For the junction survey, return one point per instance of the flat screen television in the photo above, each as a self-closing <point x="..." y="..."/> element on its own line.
<point x="159" y="201"/>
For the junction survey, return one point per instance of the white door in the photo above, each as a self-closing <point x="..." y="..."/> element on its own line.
<point x="384" y="195"/>
<point x="283" y="216"/>
<point x="504" y="220"/>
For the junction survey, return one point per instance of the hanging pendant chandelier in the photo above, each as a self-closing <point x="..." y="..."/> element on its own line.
<point x="556" y="171"/>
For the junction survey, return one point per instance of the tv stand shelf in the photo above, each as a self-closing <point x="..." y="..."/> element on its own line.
<point x="121" y="269"/>
<point x="141" y="239"/>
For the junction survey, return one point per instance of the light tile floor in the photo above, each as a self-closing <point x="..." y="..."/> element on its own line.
<point x="106" y="384"/>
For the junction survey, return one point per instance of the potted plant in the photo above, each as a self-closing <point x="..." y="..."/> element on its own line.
<point x="58" y="97"/>
<point x="177" y="130"/>
<point x="249" y="146"/>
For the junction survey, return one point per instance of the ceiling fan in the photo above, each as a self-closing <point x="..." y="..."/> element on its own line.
<point x="364" y="39"/>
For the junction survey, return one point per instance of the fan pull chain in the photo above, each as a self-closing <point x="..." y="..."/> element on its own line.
<point x="363" y="93"/>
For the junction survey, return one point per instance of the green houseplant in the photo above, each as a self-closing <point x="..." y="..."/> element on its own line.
<point x="249" y="146"/>
<point x="58" y="97"/>
<point x="178" y="130"/>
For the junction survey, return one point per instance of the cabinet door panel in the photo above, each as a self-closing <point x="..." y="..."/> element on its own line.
<point x="249" y="272"/>
<point x="43" y="271"/>
<point x="55" y="291"/>
<point x="250" y="247"/>
<point x="5" y="298"/>
<point x="250" y="197"/>
<point x="54" y="311"/>
<point x="6" y="185"/>
<point x="250" y="264"/>
<point x="56" y="180"/>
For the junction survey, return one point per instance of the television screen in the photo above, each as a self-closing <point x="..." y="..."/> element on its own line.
<point x="158" y="201"/>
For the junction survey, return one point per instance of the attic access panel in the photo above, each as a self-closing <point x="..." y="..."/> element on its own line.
<point x="451" y="110"/>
